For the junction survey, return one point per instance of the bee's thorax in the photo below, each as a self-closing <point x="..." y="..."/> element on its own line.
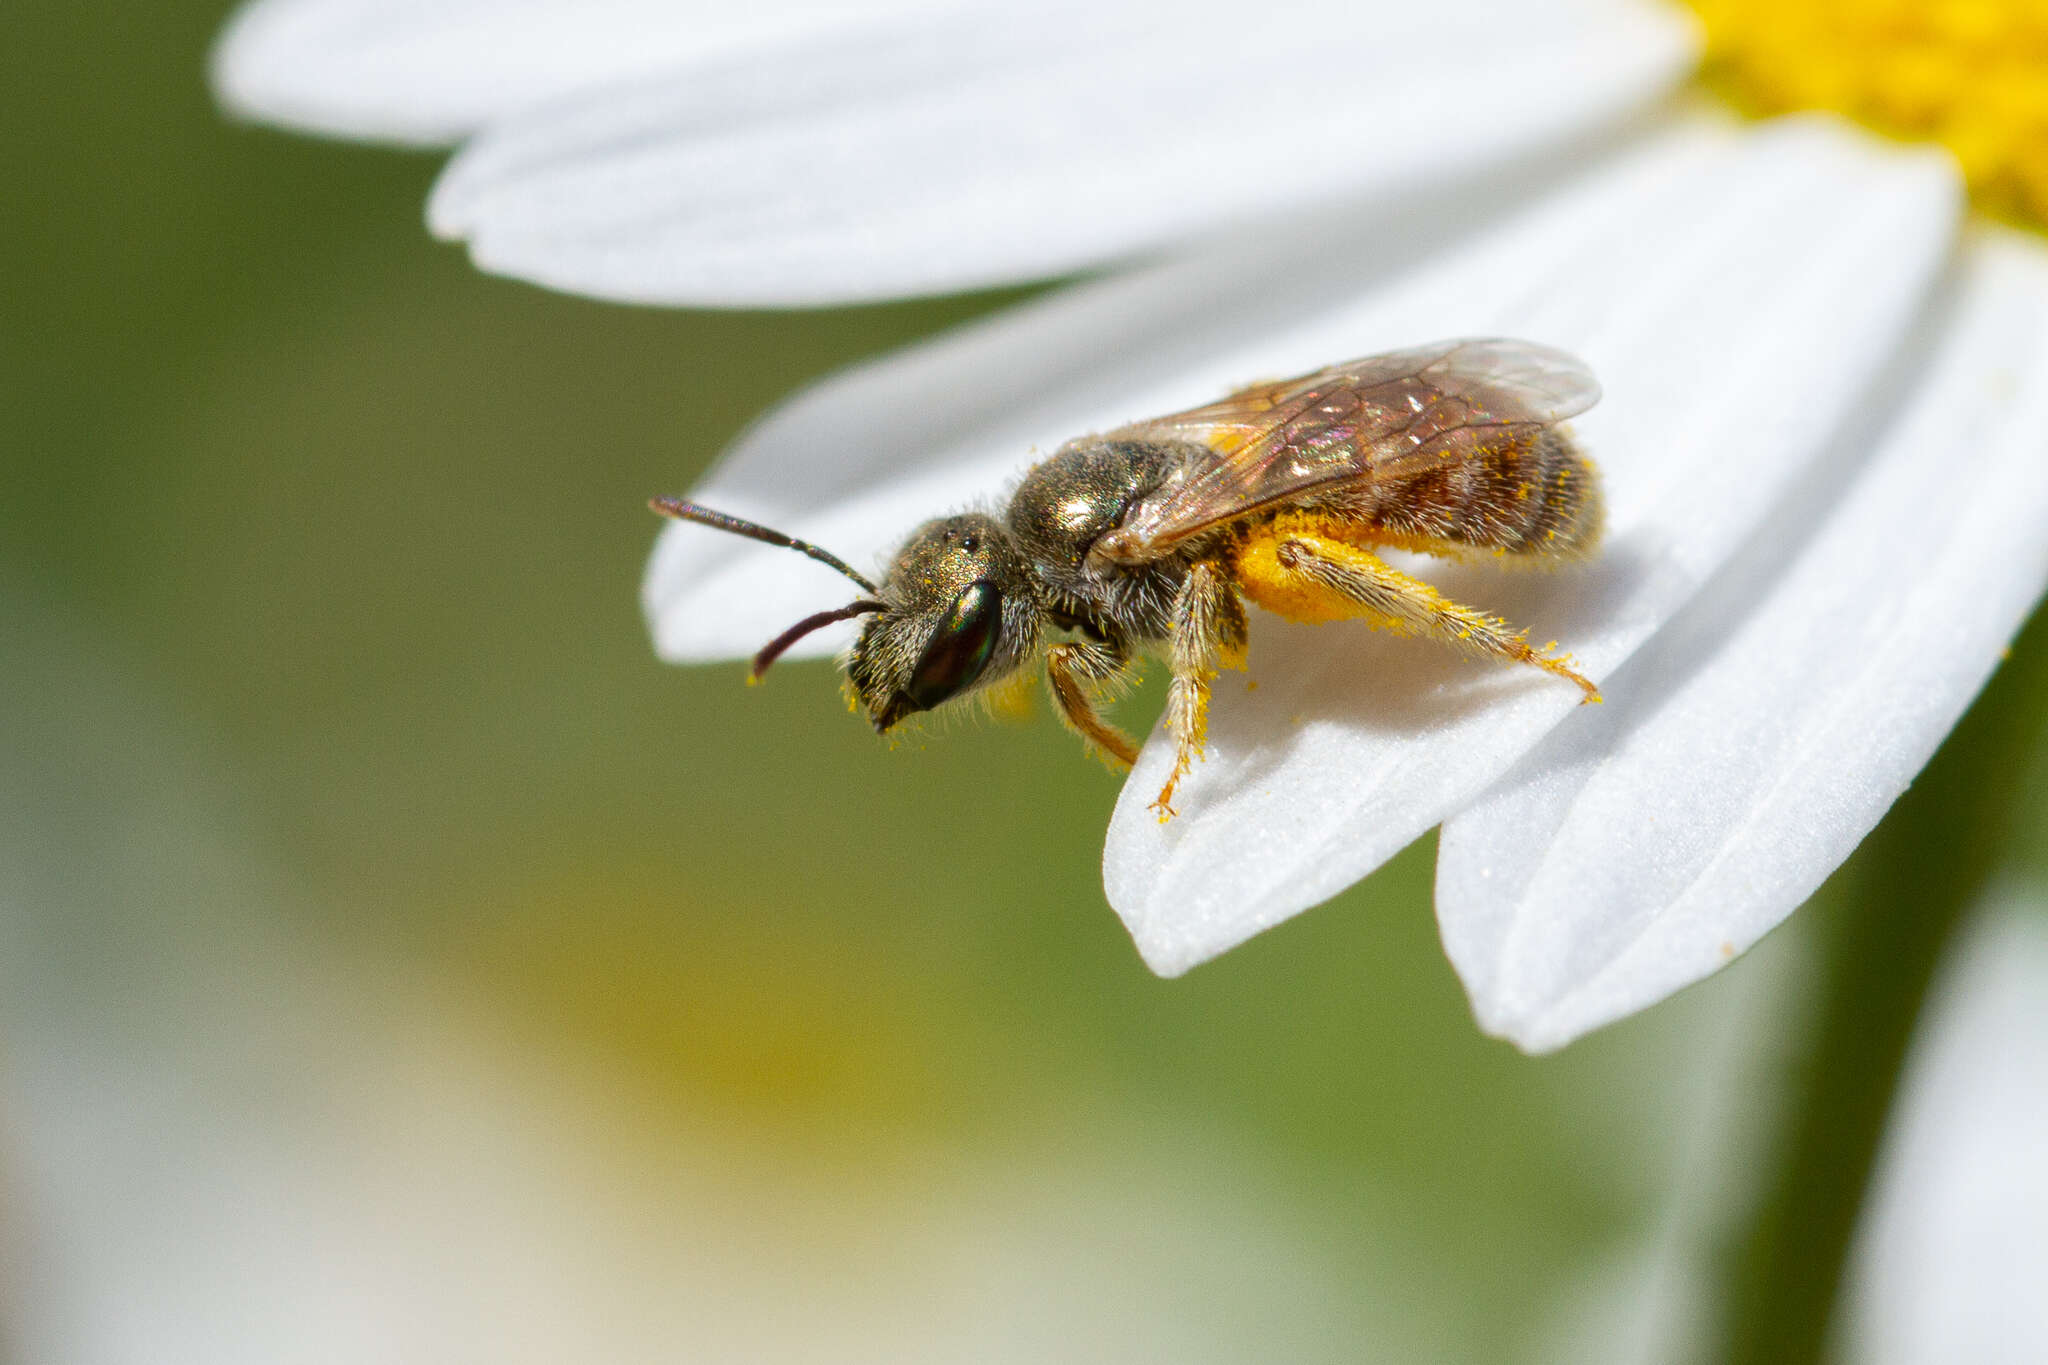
<point x="1066" y="504"/>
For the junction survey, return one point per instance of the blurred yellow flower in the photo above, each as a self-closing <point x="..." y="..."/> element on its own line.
<point x="1969" y="74"/>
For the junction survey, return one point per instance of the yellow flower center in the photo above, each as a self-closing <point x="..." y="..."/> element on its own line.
<point x="1970" y="74"/>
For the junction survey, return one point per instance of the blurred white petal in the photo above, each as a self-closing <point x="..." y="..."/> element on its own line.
<point x="1008" y="144"/>
<point x="1951" y="1261"/>
<point x="434" y="71"/>
<point x="1746" y="752"/>
<point x="1736" y="295"/>
<point x="1654" y="1301"/>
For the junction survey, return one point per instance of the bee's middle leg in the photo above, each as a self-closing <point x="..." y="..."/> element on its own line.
<point x="1309" y="576"/>
<point x="1208" y="630"/>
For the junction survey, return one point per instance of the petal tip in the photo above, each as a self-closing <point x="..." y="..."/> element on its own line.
<point x="1531" y="1032"/>
<point x="1166" y="960"/>
<point x="451" y="202"/>
<point x="234" y="64"/>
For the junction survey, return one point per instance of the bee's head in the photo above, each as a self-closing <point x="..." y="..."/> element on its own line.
<point x="957" y="613"/>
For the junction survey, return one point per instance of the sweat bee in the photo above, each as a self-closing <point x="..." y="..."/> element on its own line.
<point x="1152" y="536"/>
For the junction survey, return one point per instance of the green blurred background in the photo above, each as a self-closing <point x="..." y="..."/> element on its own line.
<point x="342" y="780"/>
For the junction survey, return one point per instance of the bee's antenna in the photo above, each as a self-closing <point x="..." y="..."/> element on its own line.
<point x="772" y="651"/>
<point x="682" y="510"/>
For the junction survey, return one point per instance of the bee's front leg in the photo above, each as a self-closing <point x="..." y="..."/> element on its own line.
<point x="1208" y="630"/>
<point x="1071" y="670"/>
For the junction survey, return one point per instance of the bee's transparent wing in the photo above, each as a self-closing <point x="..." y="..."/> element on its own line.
<point x="1382" y="417"/>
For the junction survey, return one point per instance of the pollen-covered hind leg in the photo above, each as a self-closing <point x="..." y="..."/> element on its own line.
<point x="1208" y="632"/>
<point x="1297" y="572"/>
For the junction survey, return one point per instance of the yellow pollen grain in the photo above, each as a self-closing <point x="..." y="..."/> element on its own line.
<point x="1969" y="74"/>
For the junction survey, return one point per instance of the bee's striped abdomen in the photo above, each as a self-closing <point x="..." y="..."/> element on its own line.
<point x="1539" y="496"/>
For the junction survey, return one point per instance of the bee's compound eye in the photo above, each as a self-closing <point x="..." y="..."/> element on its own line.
<point x="959" y="649"/>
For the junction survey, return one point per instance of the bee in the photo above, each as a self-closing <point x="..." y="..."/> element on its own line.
<point x="1153" y="536"/>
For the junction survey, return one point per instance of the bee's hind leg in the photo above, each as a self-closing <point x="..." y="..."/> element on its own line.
<point x="1299" y="573"/>
<point x="1208" y="631"/>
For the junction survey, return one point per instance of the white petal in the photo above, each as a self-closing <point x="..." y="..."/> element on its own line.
<point x="855" y="462"/>
<point x="1745" y="752"/>
<point x="433" y="71"/>
<point x="1952" y="1260"/>
<point x="1735" y="295"/>
<point x="1016" y="142"/>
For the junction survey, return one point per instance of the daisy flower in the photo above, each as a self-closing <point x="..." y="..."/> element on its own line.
<point x="1824" y="384"/>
